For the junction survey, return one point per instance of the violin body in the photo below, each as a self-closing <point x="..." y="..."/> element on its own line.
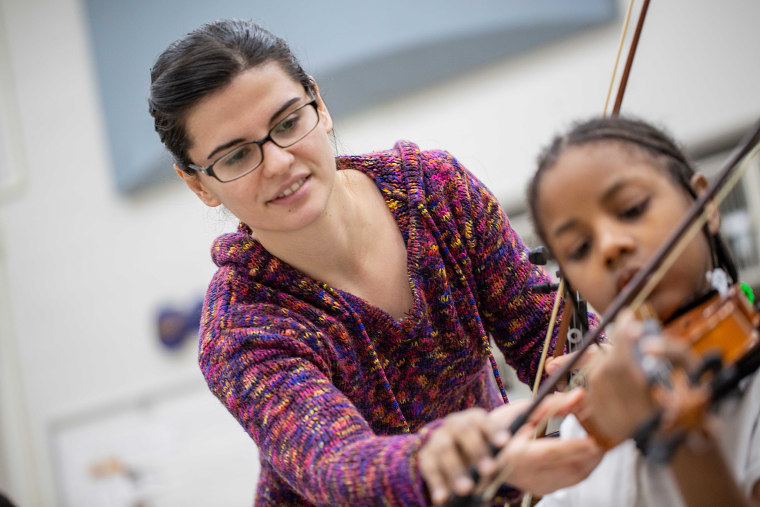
<point x="725" y="326"/>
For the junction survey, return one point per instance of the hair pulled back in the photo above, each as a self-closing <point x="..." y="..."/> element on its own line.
<point x="203" y="61"/>
<point x="634" y="134"/>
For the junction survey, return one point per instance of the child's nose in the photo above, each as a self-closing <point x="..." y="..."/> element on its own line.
<point x="614" y="245"/>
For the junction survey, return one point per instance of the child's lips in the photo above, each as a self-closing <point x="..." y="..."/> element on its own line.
<point x="625" y="278"/>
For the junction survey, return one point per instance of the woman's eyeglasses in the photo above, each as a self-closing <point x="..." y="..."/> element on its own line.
<point x="247" y="157"/>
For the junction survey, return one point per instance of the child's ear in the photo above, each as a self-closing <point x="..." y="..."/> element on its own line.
<point x="194" y="183"/>
<point x="699" y="184"/>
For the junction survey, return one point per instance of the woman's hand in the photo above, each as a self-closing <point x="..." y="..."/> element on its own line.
<point x="462" y="441"/>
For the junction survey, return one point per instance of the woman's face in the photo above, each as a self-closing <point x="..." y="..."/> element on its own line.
<point x="291" y="187"/>
<point x="606" y="208"/>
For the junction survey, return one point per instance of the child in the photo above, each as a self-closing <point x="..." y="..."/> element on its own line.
<point x="605" y="196"/>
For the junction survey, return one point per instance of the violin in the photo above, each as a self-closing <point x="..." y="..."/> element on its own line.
<point x="721" y="330"/>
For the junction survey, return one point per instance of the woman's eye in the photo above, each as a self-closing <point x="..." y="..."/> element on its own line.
<point x="635" y="211"/>
<point x="287" y="124"/>
<point x="236" y="156"/>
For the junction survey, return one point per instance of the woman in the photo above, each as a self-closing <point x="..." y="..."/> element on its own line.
<point x="347" y="326"/>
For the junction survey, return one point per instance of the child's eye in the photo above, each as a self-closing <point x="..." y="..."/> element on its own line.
<point x="635" y="211"/>
<point x="579" y="252"/>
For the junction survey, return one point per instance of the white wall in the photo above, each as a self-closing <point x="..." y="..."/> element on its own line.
<point x="83" y="269"/>
<point x="695" y="72"/>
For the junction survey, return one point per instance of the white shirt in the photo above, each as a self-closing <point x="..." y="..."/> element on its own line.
<point x="624" y="478"/>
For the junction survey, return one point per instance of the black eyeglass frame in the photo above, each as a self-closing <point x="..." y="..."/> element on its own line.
<point x="209" y="169"/>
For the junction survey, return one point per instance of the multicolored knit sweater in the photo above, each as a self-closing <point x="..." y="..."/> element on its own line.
<point x="338" y="395"/>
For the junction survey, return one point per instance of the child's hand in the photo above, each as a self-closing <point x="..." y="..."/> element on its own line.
<point x="618" y="390"/>
<point x="555" y="363"/>
<point x="465" y="440"/>
<point x="543" y="465"/>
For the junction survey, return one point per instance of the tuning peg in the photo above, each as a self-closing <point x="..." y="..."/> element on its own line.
<point x="544" y="288"/>
<point x="539" y="256"/>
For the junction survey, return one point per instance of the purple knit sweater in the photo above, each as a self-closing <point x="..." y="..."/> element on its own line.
<point x="338" y="395"/>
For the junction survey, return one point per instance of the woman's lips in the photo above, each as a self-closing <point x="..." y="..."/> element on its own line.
<point x="292" y="189"/>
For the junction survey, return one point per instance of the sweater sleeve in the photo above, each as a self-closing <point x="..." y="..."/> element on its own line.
<point x="310" y="433"/>
<point x="511" y="312"/>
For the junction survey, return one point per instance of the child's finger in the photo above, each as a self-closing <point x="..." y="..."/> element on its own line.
<point x="554" y="364"/>
<point x="558" y="404"/>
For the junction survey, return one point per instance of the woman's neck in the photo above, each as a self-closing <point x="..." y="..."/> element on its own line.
<point x="336" y="243"/>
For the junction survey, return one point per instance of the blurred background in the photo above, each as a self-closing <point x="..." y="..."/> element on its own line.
<point x="104" y="254"/>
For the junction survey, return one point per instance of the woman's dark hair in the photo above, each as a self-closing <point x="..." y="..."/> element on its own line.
<point x="639" y="135"/>
<point x="203" y="61"/>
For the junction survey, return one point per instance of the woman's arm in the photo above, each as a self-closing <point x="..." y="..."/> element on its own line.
<point x="310" y="433"/>
<point x="502" y="277"/>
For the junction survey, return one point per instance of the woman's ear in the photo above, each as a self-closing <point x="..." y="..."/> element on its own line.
<point x="699" y="184"/>
<point x="194" y="183"/>
<point x="324" y="114"/>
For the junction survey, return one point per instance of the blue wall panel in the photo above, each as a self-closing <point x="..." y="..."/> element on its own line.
<point x="360" y="52"/>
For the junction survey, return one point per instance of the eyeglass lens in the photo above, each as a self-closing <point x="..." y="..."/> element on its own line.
<point x="285" y="133"/>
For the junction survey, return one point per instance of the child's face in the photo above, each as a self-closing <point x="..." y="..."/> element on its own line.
<point x="605" y="209"/>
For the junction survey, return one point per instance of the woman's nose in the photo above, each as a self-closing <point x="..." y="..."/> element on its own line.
<point x="275" y="160"/>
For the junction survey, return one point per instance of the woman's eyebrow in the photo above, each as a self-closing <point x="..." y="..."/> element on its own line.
<point x="277" y="113"/>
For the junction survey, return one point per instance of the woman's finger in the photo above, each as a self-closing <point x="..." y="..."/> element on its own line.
<point x="472" y="431"/>
<point x="433" y="477"/>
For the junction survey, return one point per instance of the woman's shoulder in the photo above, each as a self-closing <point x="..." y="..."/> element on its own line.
<point x="237" y="247"/>
<point x="407" y="166"/>
<point x="404" y="155"/>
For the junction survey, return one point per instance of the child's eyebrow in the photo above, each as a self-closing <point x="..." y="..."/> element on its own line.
<point x="608" y="195"/>
<point x="564" y="227"/>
